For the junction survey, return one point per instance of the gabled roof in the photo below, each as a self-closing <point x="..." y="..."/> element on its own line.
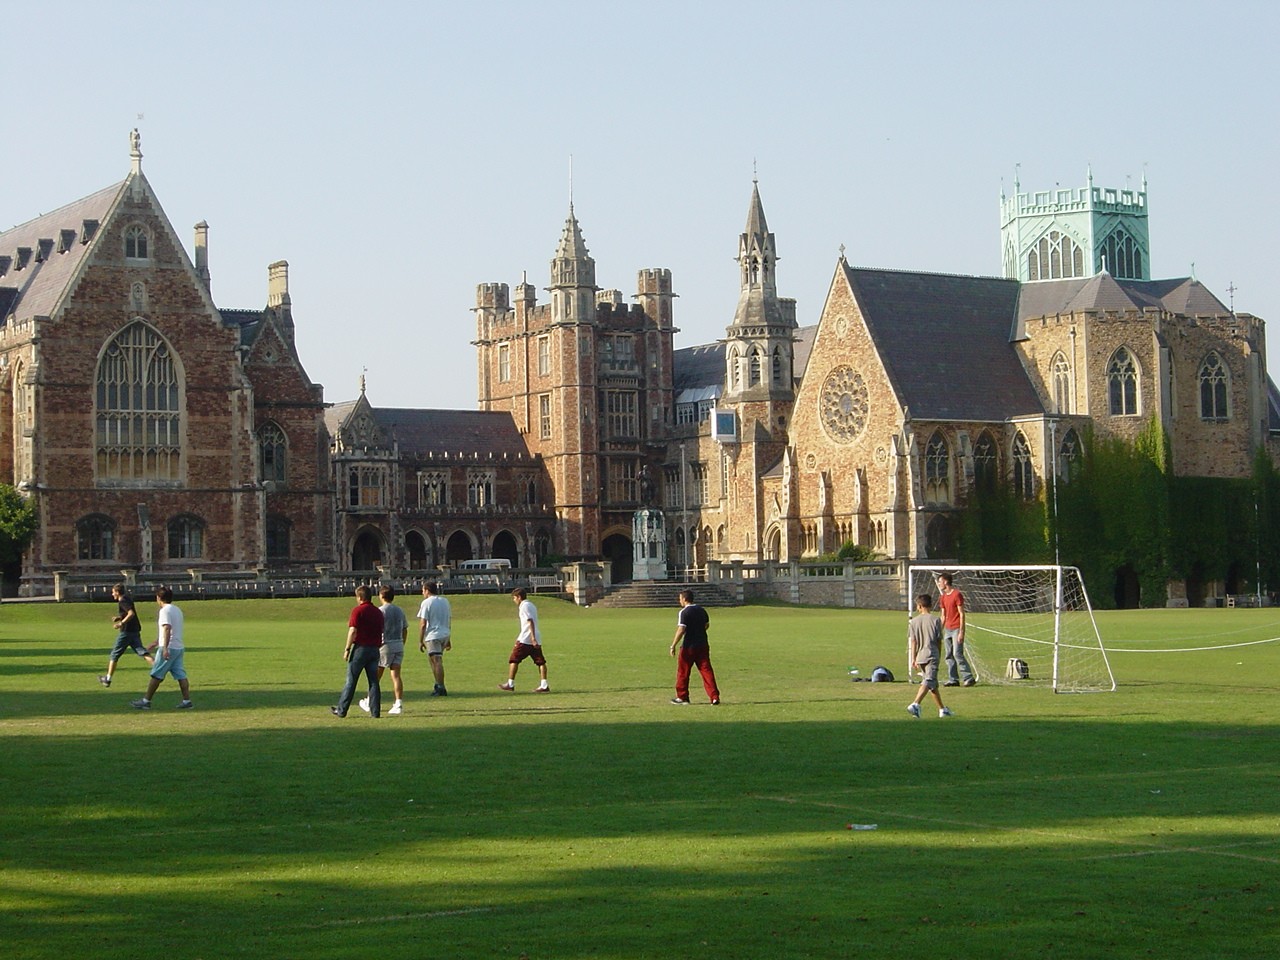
<point x="40" y="284"/>
<point x="944" y="340"/>
<point x="1103" y="292"/>
<point x="698" y="366"/>
<point x="439" y="432"/>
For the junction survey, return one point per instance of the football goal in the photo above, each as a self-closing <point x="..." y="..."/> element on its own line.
<point x="1025" y="625"/>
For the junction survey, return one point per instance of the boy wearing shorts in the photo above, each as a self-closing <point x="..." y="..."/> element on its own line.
<point x="528" y="643"/>
<point x="169" y="650"/>
<point x="395" y="629"/>
<point x="924" y="640"/>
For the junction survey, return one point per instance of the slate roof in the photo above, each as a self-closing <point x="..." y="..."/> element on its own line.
<point x="249" y="322"/>
<point x="944" y="340"/>
<point x="40" y="285"/>
<point x="455" y="432"/>
<point x="1047" y="298"/>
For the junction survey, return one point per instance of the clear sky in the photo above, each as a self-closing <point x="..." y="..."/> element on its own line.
<point x="397" y="154"/>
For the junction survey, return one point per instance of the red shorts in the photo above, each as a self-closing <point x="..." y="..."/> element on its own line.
<point x="533" y="651"/>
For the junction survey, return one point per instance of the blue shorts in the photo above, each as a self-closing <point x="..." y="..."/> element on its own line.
<point x="171" y="665"/>
<point x="125" y="641"/>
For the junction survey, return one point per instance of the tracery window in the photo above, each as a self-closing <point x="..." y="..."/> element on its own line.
<point x="621" y="419"/>
<point x="1213" y="388"/>
<point x="366" y="485"/>
<point x="186" y="537"/>
<point x="480" y="489"/>
<point x="1121" y="255"/>
<point x="1061" y="383"/>
<point x="623" y="483"/>
<point x="434" y="489"/>
<point x="135" y="242"/>
<point x="753" y="367"/>
<point x="735" y="371"/>
<point x="96" y="538"/>
<point x="1122" y="383"/>
<point x="138" y="408"/>
<point x="1024" y="479"/>
<point x="1054" y="257"/>
<point x="937" y="470"/>
<point x="271" y="453"/>
<point x="1069" y="456"/>
<point x="985" y="468"/>
<point x="777" y="366"/>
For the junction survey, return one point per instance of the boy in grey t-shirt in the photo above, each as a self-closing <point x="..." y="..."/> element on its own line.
<point x="924" y="639"/>
<point x="395" y="627"/>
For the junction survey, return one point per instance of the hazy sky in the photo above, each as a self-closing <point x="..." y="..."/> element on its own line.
<point x="397" y="154"/>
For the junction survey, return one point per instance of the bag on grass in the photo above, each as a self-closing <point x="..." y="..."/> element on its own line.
<point x="881" y="675"/>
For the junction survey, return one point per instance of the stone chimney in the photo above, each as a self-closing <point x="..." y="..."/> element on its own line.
<point x="202" y="253"/>
<point x="278" y="295"/>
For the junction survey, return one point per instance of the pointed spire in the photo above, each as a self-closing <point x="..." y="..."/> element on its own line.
<point x="756" y="225"/>
<point x="571" y="246"/>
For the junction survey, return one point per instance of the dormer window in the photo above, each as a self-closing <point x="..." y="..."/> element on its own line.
<point x="66" y="240"/>
<point x="135" y="243"/>
<point x="44" y="247"/>
<point x="24" y="258"/>
<point x="87" y="230"/>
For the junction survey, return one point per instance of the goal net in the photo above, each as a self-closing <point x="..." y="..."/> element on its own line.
<point x="1024" y="625"/>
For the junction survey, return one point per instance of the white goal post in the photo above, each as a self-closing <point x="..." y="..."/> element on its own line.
<point x="1027" y="625"/>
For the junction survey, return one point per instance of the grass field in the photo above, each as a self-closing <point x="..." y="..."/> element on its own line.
<point x="600" y="821"/>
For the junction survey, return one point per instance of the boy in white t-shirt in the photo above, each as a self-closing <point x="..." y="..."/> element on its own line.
<point x="528" y="643"/>
<point x="169" y="651"/>
<point x="437" y="624"/>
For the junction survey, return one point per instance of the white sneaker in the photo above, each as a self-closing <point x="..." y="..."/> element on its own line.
<point x="914" y="710"/>
<point x="395" y="709"/>
<point x="944" y="712"/>
<point x="364" y="704"/>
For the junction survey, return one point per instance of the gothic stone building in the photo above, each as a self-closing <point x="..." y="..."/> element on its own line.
<point x="874" y="425"/>
<point x="152" y="430"/>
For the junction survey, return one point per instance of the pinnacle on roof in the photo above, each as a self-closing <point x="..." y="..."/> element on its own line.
<point x="756" y="225"/>
<point x="572" y="246"/>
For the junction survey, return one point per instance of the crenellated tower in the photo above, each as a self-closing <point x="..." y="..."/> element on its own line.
<point x="1077" y="232"/>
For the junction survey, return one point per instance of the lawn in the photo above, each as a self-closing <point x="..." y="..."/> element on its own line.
<point x="601" y="821"/>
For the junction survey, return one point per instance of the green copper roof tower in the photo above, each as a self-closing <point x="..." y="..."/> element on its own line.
<point x="1077" y="232"/>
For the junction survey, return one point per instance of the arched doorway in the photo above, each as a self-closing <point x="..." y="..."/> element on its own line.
<point x="367" y="552"/>
<point x="415" y="544"/>
<point x="617" y="549"/>
<point x="1128" y="592"/>
<point x="773" y="544"/>
<point x="458" y="548"/>
<point x="504" y="546"/>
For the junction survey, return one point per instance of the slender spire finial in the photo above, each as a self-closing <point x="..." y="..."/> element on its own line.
<point x="755" y="170"/>
<point x="363" y="371"/>
<point x="571" y="184"/>
<point x="1231" y="295"/>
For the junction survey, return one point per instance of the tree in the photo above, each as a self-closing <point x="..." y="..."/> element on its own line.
<point x="17" y="524"/>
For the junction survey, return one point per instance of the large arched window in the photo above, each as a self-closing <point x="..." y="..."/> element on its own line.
<point x="186" y="537"/>
<point x="271" y="453"/>
<point x="985" y="467"/>
<point x="1122" y="383"/>
<point x="138" y="400"/>
<point x="95" y="538"/>
<point x="22" y="422"/>
<point x="1024" y="478"/>
<point x="1054" y="257"/>
<point x="937" y="470"/>
<point x="1061" y="371"/>
<point x="1121" y="256"/>
<point x="1213" y="388"/>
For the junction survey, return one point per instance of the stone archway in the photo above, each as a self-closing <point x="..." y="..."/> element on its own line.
<point x="458" y="548"/>
<point x="505" y="547"/>
<point x="415" y="545"/>
<point x="368" y="550"/>
<point x="617" y="548"/>
<point x="939" y="544"/>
